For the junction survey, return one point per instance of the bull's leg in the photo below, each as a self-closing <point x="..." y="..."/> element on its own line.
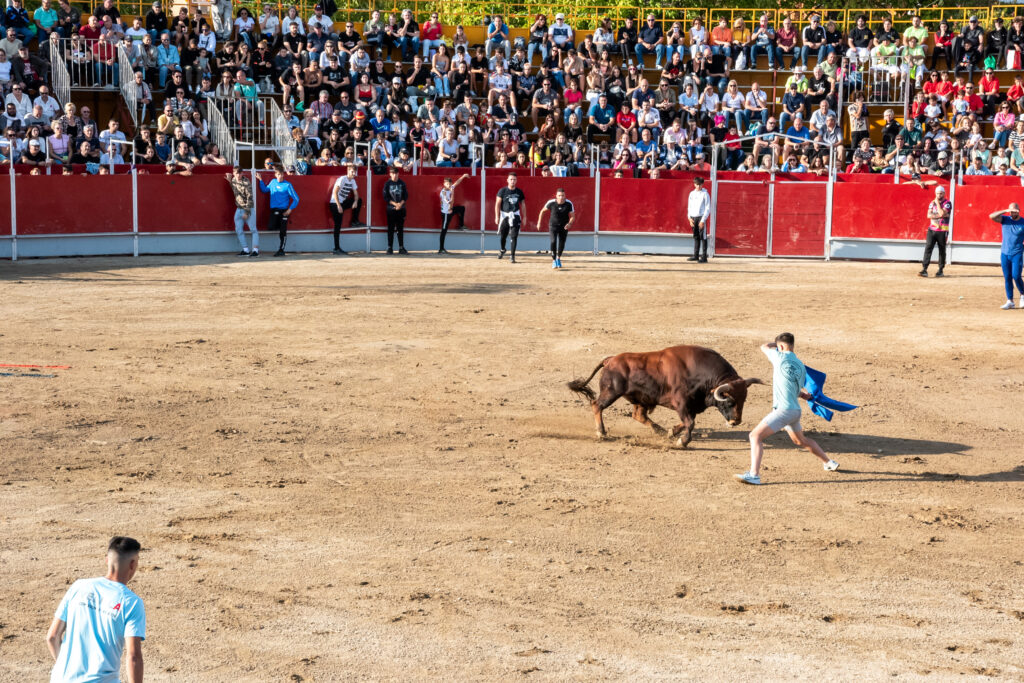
<point x="603" y="400"/>
<point x="640" y="415"/>
<point x="686" y="427"/>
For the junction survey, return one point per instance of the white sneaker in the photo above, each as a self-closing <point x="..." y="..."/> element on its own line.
<point x="1007" y="306"/>
<point x="830" y="466"/>
<point x="1021" y="301"/>
<point x="748" y="478"/>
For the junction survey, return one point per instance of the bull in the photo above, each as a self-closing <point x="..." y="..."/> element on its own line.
<point x="685" y="379"/>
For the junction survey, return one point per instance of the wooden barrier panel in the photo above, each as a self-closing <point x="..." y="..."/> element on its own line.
<point x="798" y="219"/>
<point x="539" y="190"/>
<point x="973" y="205"/>
<point x="886" y="211"/>
<point x="59" y="204"/>
<point x="641" y="205"/>
<point x="741" y="221"/>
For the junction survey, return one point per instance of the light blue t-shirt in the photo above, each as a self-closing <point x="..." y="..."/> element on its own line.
<point x="100" y="614"/>
<point x="787" y="379"/>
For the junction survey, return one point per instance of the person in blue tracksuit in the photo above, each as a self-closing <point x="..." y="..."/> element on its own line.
<point x="1011" y="255"/>
<point x="283" y="200"/>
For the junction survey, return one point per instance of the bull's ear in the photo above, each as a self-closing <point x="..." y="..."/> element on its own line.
<point x="753" y="380"/>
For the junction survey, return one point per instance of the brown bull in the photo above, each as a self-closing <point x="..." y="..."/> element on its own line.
<point x="686" y="379"/>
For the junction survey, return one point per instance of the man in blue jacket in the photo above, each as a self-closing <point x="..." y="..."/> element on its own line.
<point x="283" y="200"/>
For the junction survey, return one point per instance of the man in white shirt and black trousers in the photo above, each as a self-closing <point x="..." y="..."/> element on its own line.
<point x="698" y="208"/>
<point x="345" y="195"/>
<point x="509" y="207"/>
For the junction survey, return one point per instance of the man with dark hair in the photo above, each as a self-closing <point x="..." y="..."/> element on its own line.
<point x="283" y="200"/>
<point x="245" y="214"/>
<point x="563" y="214"/>
<point x="698" y="208"/>
<point x="345" y="195"/>
<point x="509" y="208"/>
<point x="396" y="194"/>
<point x="939" y="211"/>
<point x="787" y="389"/>
<point x="97" y="618"/>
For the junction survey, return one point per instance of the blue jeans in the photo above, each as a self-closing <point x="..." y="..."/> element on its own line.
<point x="1012" y="273"/>
<point x="533" y="47"/>
<point x="763" y="115"/>
<point x="781" y="56"/>
<point x="742" y="120"/>
<point x="409" y="47"/>
<point x="721" y="50"/>
<point x="430" y="45"/>
<point x="442" y="86"/>
<point x="573" y="110"/>
<point x="823" y="52"/>
<point x="719" y="82"/>
<point x="767" y="49"/>
<point x="658" y="52"/>
<point x="164" y="70"/>
<point x="1002" y="138"/>
<point x="108" y="74"/>
<point x="784" y="119"/>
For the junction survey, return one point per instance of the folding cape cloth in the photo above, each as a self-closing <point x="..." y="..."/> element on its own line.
<point x="821" y="405"/>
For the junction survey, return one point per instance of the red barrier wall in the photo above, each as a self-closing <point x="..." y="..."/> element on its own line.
<point x="741" y="224"/>
<point x="798" y="219"/>
<point x="973" y="205"/>
<point x="881" y="211"/>
<point x="5" y="204"/>
<point x="538" y="191"/>
<point x="73" y="204"/>
<point x="642" y="205"/>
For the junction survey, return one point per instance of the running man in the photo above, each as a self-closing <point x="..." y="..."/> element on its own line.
<point x="245" y="214"/>
<point x="345" y="195"/>
<point x="283" y="200"/>
<point x="395" y="196"/>
<point x="698" y="208"/>
<point x="449" y="208"/>
<point x="509" y="208"/>
<point x="938" y="231"/>
<point x="563" y="214"/>
<point x="97" y="618"/>
<point x="1011" y="255"/>
<point x="787" y="389"/>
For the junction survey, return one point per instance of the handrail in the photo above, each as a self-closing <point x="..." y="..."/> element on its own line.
<point x="128" y="89"/>
<point x="220" y="134"/>
<point x="60" y="79"/>
<point x="282" y="135"/>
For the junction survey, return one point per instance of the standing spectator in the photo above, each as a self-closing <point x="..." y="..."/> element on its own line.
<point x="698" y="208"/>
<point x="449" y="209"/>
<point x="858" y="113"/>
<point x="1011" y="254"/>
<point x="509" y="209"/>
<point x="395" y="197"/>
<point x="938" y="231"/>
<point x="97" y="619"/>
<point x="241" y="189"/>
<point x="650" y="39"/>
<point x="344" y="196"/>
<point x="283" y="200"/>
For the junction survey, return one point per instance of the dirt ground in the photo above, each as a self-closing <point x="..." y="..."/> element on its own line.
<point x="370" y="468"/>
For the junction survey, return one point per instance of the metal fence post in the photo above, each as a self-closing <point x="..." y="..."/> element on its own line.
<point x="14" y="210"/>
<point x="597" y="197"/>
<point x="369" y="206"/>
<point x="714" y="205"/>
<point x="828" y="202"/>
<point x="952" y="215"/>
<point x="483" y="206"/>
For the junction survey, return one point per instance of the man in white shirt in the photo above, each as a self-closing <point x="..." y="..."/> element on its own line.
<point x="318" y="18"/>
<point x="207" y="39"/>
<point x="698" y="208"/>
<point x="136" y="32"/>
<point x="560" y="32"/>
<point x="51" y="107"/>
<point x="96" y="620"/>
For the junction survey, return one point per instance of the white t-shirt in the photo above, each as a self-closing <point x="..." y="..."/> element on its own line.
<point x="343" y="186"/>
<point x="244" y="24"/>
<point x="447" y="196"/>
<point x="99" y="614"/>
<point x="560" y="35"/>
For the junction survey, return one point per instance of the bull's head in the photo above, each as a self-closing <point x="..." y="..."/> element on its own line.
<point x="730" y="397"/>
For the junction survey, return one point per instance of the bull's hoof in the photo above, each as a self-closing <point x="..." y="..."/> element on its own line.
<point x="682" y="444"/>
<point x="601" y="436"/>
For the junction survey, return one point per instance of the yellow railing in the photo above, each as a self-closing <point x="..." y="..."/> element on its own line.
<point x="585" y="16"/>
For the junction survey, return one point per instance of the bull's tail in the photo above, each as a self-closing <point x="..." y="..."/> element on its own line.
<point x="580" y="386"/>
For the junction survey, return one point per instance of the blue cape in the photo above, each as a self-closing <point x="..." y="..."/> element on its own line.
<point x="820" y="404"/>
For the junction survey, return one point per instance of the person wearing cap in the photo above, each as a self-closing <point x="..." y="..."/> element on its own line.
<point x="813" y="39"/>
<point x="245" y="213"/>
<point x="396" y="194"/>
<point x="793" y="105"/>
<point x="967" y="46"/>
<point x="318" y="18"/>
<point x="283" y="200"/>
<point x="156" y="21"/>
<point x="650" y="39"/>
<point x="561" y="33"/>
<point x="939" y="210"/>
<point x="1011" y="253"/>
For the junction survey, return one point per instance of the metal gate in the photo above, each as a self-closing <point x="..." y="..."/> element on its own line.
<point x="742" y="213"/>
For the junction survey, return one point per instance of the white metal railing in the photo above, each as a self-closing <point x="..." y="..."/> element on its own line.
<point x="84" y="70"/>
<point x="247" y="118"/>
<point x="129" y="91"/>
<point x="886" y="79"/>
<point x="281" y="135"/>
<point x="220" y="133"/>
<point x="60" y="79"/>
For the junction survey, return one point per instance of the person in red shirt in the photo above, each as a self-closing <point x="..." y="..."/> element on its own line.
<point x="91" y="31"/>
<point x="625" y="122"/>
<point x="859" y="165"/>
<point x="733" y="149"/>
<point x="988" y="89"/>
<point x="973" y="100"/>
<point x="431" y="35"/>
<point x="946" y="88"/>
<point x="1016" y="93"/>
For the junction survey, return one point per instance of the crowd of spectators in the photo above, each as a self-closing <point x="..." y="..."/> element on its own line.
<point x="635" y="98"/>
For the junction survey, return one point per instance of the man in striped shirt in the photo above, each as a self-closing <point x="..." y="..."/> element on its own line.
<point x="345" y="195"/>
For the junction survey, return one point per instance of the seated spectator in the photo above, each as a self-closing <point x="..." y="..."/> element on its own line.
<point x="111" y="155"/>
<point x="793" y="104"/>
<point x="34" y="154"/>
<point x="977" y="167"/>
<point x="182" y="160"/>
<point x="83" y="155"/>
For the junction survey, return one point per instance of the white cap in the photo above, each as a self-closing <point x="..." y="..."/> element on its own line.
<point x="560" y="16"/>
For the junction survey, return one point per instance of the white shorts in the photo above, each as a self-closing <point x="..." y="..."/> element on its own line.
<point x="783" y="419"/>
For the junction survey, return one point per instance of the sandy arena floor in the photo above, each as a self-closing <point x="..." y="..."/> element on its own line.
<point x="370" y="468"/>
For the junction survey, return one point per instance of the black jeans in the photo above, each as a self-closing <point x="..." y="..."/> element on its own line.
<point x="396" y="223"/>
<point x="278" y="221"/>
<point x="446" y="219"/>
<point x="936" y="238"/>
<point x="700" y="238"/>
<point x="507" y="227"/>
<point x="558" y="236"/>
<point x="339" y="212"/>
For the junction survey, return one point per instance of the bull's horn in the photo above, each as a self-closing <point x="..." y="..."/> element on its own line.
<point x="753" y="380"/>
<point x="718" y="389"/>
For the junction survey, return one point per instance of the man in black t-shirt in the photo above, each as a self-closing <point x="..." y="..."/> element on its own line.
<point x="395" y="197"/>
<point x="562" y="216"/>
<point x="509" y="207"/>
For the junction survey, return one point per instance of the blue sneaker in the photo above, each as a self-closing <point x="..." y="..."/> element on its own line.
<point x="748" y="478"/>
<point x="558" y="262"/>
